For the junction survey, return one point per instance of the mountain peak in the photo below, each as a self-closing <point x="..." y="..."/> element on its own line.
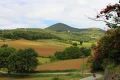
<point x="60" y="27"/>
<point x="59" y="24"/>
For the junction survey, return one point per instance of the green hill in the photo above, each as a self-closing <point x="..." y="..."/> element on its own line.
<point x="69" y="33"/>
<point x="61" y="27"/>
<point x="57" y="31"/>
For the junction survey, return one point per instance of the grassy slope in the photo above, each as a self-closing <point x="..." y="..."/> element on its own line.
<point x="67" y="32"/>
<point x="74" y="34"/>
<point x="88" y="34"/>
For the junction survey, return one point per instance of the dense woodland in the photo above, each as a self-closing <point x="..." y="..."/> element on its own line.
<point x="29" y="35"/>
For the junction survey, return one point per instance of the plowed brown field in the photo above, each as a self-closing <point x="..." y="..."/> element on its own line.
<point x="62" y="65"/>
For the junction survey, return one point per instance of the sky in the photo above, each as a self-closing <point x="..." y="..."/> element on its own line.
<point x="43" y="13"/>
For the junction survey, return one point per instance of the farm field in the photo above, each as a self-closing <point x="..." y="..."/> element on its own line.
<point x="42" y="47"/>
<point x="60" y="40"/>
<point x="73" y="64"/>
<point x="47" y="48"/>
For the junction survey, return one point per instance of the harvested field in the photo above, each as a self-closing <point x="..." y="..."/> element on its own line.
<point x="62" y="65"/>
<point x="42" y="47"/>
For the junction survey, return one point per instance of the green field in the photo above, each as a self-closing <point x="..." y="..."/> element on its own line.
<point x="75" y="76"/>
<point x="44" y="60"/>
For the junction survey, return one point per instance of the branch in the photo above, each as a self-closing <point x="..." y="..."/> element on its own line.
<point x="95" y="19"/>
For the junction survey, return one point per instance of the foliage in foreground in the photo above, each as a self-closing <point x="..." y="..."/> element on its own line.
<point x="18" y="61"/>
<point x="111" y="15"/>
<point x="107" y="50"/>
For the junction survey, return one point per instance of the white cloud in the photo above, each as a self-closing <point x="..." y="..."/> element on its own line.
<point x="33" y="13"/>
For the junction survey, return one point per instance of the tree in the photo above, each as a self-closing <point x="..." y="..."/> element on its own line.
<point x="110" y="15"/>
<point x="29" y="35"/>
<point x="107" y="50"/>
<point x="23" y="61"/>
<point x="72" y="52"/>
<point x="5" y="52"/>
<point x="85" y="51"/>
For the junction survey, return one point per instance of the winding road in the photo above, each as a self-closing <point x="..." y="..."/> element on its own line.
<point x="91" y="77"/>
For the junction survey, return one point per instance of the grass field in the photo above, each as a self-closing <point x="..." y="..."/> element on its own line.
<point x="42" y="47"/>
<point x="74" y="64"/>
<point x="87" y="44"/>
<point x="42" y="60"/>
<point x="46" y="77"/>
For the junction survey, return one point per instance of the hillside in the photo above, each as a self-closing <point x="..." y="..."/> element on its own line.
<point x="57" y="31"/>
<point x="61" y="27"/>
<point x="69" y="33"/>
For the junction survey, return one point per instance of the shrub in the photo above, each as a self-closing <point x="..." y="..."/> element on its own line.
<point x="5" y="52"/>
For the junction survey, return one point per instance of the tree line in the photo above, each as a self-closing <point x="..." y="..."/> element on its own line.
<point x="73" y="52"/>
<point x="29" y="35"/>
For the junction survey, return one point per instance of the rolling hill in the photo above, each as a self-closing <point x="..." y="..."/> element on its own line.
<point x="57" y="31"/>
<point x="60" y="27"/>
<point x="69" y="33"/>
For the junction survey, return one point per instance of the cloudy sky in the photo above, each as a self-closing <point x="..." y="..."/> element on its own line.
<point x="43" y="13"/>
